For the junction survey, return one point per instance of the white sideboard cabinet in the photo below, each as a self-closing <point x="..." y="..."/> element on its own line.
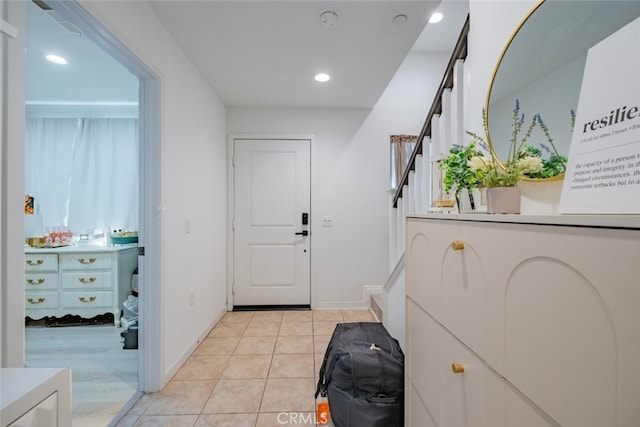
<point x="80" y="280"/>
<point x="523" y="321"/>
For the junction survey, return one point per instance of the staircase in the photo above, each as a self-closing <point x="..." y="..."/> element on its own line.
<point x="419" y="189"/>
<point x="377" y="306"/>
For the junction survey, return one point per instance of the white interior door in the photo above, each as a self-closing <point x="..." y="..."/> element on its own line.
<point x="272" y="186"/>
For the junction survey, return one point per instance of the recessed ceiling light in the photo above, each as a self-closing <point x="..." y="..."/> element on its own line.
<point x="435" y="18"/>
<point x="322" y="77"/>
<point x="56" y="59"/>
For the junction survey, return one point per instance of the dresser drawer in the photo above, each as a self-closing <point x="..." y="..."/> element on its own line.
<point x="85" y="261"/>
<point x="40" y="281"/>
<point x="85" y="280"/>
<point x="87" y="299"/>
<point x="41" y="262"/>
<point x="41" y="300"/>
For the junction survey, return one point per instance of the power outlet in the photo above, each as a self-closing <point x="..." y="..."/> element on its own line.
<point x="327" y="221"/>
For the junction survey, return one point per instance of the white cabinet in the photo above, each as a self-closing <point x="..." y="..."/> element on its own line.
<point x="543" y="319"/>
<point x="44" y="414"/>
<point x="35" y="397"/>
<point x="83" y="281"/>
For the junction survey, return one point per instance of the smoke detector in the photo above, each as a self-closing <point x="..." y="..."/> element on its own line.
<point x="399" y="19"/>
<point x="329" y="19"/>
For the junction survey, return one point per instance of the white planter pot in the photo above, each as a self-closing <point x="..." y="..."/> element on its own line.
<point x="503" y="200"/>
<point x="541" y="197"/>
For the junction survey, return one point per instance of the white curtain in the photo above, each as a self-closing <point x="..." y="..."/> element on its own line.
<point x="401" y="149"/>
<point x="48" y="153"/>
<point x="94" y="177"/>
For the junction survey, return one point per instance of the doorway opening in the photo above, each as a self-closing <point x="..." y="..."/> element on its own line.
<point x="146" y="363"/>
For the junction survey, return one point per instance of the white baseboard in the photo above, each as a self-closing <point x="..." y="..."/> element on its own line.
<point x="340" y="305"/>
<point x="194" y="345"/>
<point x="367" y="291"/>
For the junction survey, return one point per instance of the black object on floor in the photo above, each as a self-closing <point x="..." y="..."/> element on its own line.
<point x="362" y="376"/>
<point x="130" y="338"/>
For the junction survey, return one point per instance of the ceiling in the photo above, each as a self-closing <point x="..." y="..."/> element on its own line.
<point x="253" y="53"/>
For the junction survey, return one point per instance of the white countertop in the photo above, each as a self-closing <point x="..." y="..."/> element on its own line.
<point x="79" y="248"/>
<point x="23" y="388"/>
<point x="604" y="221"/>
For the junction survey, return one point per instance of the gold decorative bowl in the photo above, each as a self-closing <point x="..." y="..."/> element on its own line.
<point x="445" y="203"/>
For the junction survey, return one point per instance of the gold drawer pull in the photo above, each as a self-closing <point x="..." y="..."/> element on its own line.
<point x="83" y="280"/>
<point x="85" y="261"/>
<point x="457" y="368"/>
<point x="38" y="301"/>
<point x="36" y="282"/>
<point x="457" y="245"/>
<point x="36" y="262"/>
<point x="87" y="301"/>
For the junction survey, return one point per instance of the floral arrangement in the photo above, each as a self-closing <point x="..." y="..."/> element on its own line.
<point x="523" y="160"/>
<point x="546" y="167"/>
<point x="458" y="173"/>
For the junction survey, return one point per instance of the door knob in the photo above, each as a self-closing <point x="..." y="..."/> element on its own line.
<point x="303" y="233"/>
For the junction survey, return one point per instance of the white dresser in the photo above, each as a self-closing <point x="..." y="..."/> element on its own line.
<point x="523" y="321"/>
<point x="80" y="280"/>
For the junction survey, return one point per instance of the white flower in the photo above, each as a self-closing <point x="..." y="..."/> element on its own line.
<point x="477" y="163"/>
<point x="530" y="164"/>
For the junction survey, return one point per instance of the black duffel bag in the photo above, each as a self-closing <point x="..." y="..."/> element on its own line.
<point x="362" y="376"/>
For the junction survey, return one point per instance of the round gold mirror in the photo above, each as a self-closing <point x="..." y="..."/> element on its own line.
<point x="541" y="67"/>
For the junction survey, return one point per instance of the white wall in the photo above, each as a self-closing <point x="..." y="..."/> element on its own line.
<point x="12" y="200"/>
<point x="193" y="187"/>
<point x="350" y="176"/>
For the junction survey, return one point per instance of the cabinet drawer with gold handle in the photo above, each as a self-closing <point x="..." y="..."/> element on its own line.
<point x="457" y="368"/>
<point x="41" y="262"/>
<point x="40" y="300"/>
<point x="87" y="300"/>
<point x="85" y="261"/>
<point x="457" y="245"/>
<point x="41" y="281"/>
<point x="98" y="280"/>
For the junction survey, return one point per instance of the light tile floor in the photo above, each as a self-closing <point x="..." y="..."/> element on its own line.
<point x="256" y="369"/>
